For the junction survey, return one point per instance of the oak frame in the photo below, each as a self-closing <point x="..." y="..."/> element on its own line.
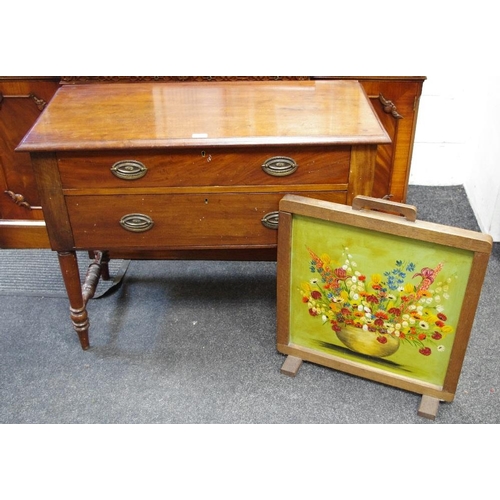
<point x="383" y="218"/>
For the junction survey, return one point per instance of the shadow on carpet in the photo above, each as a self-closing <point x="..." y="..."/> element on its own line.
<point x="36" y="273"/>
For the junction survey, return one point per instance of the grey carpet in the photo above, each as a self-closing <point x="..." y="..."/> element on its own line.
<point x="36" y="272"/>
<point x="194" y="342"/>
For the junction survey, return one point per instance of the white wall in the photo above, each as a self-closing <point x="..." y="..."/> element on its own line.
<point x="458" y="141"/>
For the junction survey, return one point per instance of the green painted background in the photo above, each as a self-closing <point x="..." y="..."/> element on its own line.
<point x="374" y="252"/>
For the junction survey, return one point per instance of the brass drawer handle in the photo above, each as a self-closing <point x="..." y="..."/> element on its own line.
<point x="280" y="166"/>
<point x="270" y="220"/>
<point x="129" y="169"/>
<point x="137" y="223"/>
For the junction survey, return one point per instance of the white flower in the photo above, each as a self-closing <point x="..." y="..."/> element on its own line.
<point x="441" y="348"/>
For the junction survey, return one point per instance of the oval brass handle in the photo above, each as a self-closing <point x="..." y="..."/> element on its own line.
<point x="129" y="169"/>
<point x="137" y="223"/>
<point x="280" y="166"/>
<point x="271" y="220"/>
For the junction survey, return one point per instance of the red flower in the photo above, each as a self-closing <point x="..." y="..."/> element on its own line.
<point x="362" y="278"/>
<point x="395" y="311"/>
<point x="305" y="299"/>
<point x="442" y="317"/>
<point x="436" y="336"/>
<point x="422" y="336"/>
<point x="341" y="273"/>
<point x="426" y="351"/>
<point x="440" y="323"/>
<point x="382" y="340"/>
<point x="312" y="312"/>
<point x="316" y="295"/>
<point x="372" y="299"/>
<point x="379" y="322"/>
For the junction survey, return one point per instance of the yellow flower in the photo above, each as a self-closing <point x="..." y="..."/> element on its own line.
<point x="376" y="278"/>
<point x="305" y="286"/>
<point x="325" y="258"/>
<point x="409" y="288"/>
<point x="447" y="329"/>
<point x="431" y="318"/>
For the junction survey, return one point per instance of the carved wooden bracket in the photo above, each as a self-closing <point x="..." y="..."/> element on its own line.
<point x="18" y="199"/>
<point x="40" y="103"/>
<point x="389" y="107"/>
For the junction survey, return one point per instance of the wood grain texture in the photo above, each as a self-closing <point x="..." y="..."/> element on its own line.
<point x="90" y="117"/>
<point x="210" y="166"/>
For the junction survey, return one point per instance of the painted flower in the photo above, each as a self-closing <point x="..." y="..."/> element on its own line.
<point x="399" y="302"/>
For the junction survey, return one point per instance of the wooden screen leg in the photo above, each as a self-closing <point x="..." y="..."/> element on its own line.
<point x="68" y="263"/>
<point x="291" y="366"/>
<point x="429" y="407"/>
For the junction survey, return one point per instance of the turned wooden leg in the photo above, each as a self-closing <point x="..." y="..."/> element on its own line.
<point x="68" y="263"/>
<point x="103" y="258"/>
<point x="105" y="266"/>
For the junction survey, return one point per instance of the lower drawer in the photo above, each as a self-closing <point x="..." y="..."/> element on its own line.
<point x="178" y="221"/>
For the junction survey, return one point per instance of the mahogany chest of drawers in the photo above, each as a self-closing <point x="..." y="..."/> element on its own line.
<point x="190" y="170"/>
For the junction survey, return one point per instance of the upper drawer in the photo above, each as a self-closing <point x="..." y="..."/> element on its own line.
<point x="206" y="167"/>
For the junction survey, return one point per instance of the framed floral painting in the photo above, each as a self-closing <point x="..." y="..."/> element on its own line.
<point x="371" y="291"/>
